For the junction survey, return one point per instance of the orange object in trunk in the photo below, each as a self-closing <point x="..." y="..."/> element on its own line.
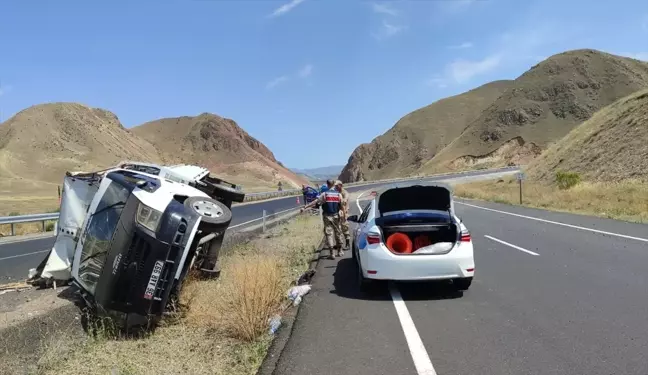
<point x="421" y="241"/>
<point x="399" y="243"/>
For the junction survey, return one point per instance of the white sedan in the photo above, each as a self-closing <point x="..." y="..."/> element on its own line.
<point x="411" y="233"/>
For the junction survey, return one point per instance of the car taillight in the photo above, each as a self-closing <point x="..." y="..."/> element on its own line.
<point x="465" y="236"/>
<point x="373" y="238"/>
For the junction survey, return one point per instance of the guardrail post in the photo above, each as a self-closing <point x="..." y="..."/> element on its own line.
<point x="264" y="221"/>
<point x="13" y="232"/>
<point x="43" y="226"/>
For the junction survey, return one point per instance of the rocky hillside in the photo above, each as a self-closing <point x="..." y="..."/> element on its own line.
<point x="43" y="141"/>
<point x="39" y="144"/>
<point x="222" y="146"/>
<point x="543" y="105"/>
<point x="611" y="146"/>
<point x="420" y="135"/>
<point x="538" y="108"/>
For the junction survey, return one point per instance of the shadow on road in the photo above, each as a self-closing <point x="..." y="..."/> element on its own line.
<point x="345" y="284"/>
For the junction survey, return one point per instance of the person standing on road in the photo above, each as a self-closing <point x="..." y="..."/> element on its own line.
<point x="344" y="213"/>
<point x="330" y="201"/>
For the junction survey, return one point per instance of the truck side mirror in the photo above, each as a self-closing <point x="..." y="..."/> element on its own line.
<point x="353" y="218"/>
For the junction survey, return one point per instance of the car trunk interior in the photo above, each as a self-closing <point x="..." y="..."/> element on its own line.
<point x="417" y="220"/>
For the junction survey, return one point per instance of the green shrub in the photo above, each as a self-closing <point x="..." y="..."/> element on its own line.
<point x="566" y="180"/>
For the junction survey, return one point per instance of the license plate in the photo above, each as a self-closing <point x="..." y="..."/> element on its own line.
<point x="155" y="276"/>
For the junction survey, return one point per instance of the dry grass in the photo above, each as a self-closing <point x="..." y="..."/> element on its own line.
<point x="225" y="328"/>
<point x="626" y="200"/>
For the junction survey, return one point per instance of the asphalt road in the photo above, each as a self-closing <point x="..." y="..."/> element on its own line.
<point x="16" y="258"/>
<point x="580" y="306"/>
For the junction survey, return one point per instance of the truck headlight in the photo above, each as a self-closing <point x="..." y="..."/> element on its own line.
<point x="148" y="217"/>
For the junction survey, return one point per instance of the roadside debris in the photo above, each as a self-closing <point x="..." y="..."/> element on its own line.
<point x="296" y="293"/>
<point x="275" y="323"/>
<point x="13" y="287"/>
<point x="306" y="277"/>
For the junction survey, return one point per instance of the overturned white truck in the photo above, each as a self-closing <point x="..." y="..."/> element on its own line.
<point x="127" y="236"/>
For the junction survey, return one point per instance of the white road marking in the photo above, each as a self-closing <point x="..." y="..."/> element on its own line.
<point x="358" y="201"/>
<point x="513" y="246"/>
<point x="559" y="223"/>
<point x="24" y="255"/>
<point x="417" y="349"/>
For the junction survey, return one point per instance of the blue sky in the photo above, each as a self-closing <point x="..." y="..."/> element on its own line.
<point x="291" y="72"/>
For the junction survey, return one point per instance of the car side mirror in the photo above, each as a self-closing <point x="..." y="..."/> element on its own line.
<point x="353" y="218"/>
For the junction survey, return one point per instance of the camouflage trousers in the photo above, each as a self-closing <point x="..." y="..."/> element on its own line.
<point x="333" y="231"/>
<point x="344" y="225"/>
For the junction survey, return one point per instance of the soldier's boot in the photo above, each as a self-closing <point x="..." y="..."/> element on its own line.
<point x="332" y="253"/>
<point x="348" y="243"/>
<point x="340" y="252"/>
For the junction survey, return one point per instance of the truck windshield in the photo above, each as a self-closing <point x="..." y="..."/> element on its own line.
<point x="99" y="233"/>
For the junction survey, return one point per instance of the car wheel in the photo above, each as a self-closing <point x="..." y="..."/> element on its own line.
<point x="213" y="214"/>
<point x="364" y="284"/>
<point x="462" y="284"/>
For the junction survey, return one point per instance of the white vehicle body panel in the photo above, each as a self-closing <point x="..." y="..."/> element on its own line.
<point x="75" y="200"/>
<point x="80" y="200"/>
<point x="385" y="265"/>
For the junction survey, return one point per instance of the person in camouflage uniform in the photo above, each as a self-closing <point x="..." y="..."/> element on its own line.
<point x="344" y="213"/>
<point x="330" y="202"/>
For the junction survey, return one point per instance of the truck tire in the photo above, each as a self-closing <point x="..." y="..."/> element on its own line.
<point x="229" y="193"/>
<point x="213" y="214"/>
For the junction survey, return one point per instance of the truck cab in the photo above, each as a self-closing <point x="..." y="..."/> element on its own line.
<point x="127" y="236"/>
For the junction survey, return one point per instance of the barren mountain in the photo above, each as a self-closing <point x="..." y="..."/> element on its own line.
<point x="611" y="146"/>
<point x="39" y="144"/>
<point x="511" y="123"/>
<point x="43" y="141"/>
<point x="543" y="105"/>
<point x="222" y="146"/>
<point x="420" y="135"/>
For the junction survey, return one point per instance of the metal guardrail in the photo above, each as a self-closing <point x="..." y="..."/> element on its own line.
<point x="19" y="219"/>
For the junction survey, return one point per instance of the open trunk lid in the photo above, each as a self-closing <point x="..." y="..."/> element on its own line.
<point x="417" y="219"/>
<point x="398" y="198"/>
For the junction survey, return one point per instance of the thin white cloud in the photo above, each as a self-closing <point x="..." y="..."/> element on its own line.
<point x="384" y="9"/>
<point x="438" y="82"/>
<point x="518" y="46"/>
<point x="391" y="29"/>
<point x="277" y="81"/>
<point x="388" y="30"/>
<point x="306" y="71"/>
<point x="5" y="89"/>
<point x="463" y="45"/>
<point x="462" y="71"/>
<point x="286" y="8"/>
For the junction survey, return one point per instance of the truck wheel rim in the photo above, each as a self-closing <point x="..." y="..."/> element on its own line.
<point x="208" y="209"/>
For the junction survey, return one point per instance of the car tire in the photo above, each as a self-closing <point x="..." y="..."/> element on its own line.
<point x="462" y="284"/>
<point x="213" y="214"/>
<point x="365" y="285"/>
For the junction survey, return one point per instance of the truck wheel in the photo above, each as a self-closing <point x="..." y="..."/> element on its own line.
<point x="229" y="193"/>
<point x="213" y="213"/>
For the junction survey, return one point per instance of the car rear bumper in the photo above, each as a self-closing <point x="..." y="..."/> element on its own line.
<point x="381" y="264"/>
